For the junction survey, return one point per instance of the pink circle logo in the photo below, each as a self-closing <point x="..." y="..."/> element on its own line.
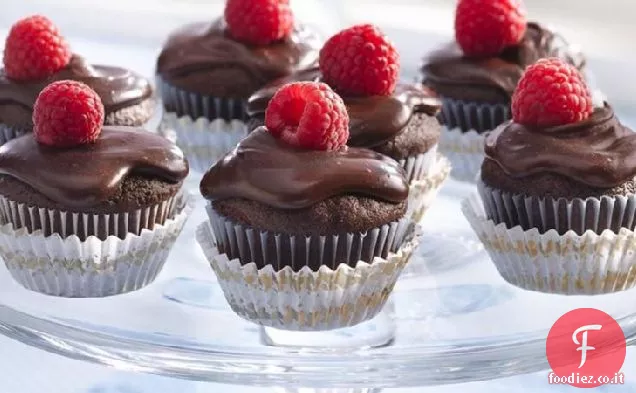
<point x="586" y="348"/>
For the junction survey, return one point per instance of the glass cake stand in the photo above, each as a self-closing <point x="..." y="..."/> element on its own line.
<point x="451" y="319"/>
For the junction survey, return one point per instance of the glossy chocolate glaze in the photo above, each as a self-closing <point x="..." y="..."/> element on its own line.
<point x="193" y="52"/>
<point x="87" y="175"/>
<point x="599" y="152"/>
<point x="266" y="170"/>
<point x="493" y="79"/>
<point x="373" y="120"/>
<point x="118" y="88"/>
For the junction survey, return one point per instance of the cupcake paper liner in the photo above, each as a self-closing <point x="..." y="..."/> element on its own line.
<point x="70" y="267"/>
<point x="153" y="124"/>
<point x="419" y="166"/>
<point x="473" y="116"/>
<point x="563" y="215"/>
<point x="567" y="264"/>
<point x="203" y="142"/>
<point x="465" y="150"/>
<point x="196" y="105"/>
<point x="9" y="132"/>
<point x="82" y="226"/>
<point x="463" y="134"/>
<point x="301" y="299"/>
<point x="266" y="248"/>
<point x="422" y="192"/>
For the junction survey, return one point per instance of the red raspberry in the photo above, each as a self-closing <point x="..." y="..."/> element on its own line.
<point x="34" y="49"/>
<point x="259" y="22"/>
<point x="360" y="61"/>
<point x="308" y="115"/>
<point x="66" y="114"/>
<point x="551" y="93"/>
<point x="487" y="27"/>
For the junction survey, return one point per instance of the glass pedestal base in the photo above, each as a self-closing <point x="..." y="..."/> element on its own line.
<point x="375" y="333"/>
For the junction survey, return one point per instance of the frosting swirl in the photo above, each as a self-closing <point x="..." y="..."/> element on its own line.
<point x="494" y="79"/>
<point x="373" y="120"/>
<point x="599" y="152"/>
<point x="86" y="175"/>
<point x="195" y="51"/>
<point x="263" y="169"/>
<point x="118" y="88"/>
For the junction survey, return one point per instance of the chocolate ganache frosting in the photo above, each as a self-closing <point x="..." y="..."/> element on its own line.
<point x="86" y="175"/>
<point x="493" y="79"/>
<point x="118" y="88"/>
<point x="203" y="58"/>
<point x="266" y="170"/>
<point x="373" y="120"/>
<point x="598" y="152"/>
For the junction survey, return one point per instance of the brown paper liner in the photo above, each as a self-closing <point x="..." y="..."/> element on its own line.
<point x="472" y="115"/>
<point x="578" y="215"/>
<point x="8" y="132"/>
<point x="280" y="250"/>
<point x="197" y="105"/>
<point x="52" y="221"/>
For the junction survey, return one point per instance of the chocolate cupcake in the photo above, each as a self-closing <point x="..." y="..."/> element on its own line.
<point x="208" y="70"/>
<point x="560" y="171"/>
<point x="476" y="78"/>
<point x="557" y="186"/>
<point x="296" y="214"/>
<point x="400" y="123"/>
<point x="36" y="55"/>
<point x="87" y="210"/>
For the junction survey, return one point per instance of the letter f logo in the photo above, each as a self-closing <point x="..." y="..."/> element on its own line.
<point x="583" y="344"/>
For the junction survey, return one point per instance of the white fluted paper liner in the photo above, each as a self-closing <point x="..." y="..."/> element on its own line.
<point x="577" y="215"/>
<point x="153" y="124"/>
<point x="465" y="150"/>
<point x="8" y="132"/>
<point x="306" y="300"/>
<point x="419" y="166"/>
<point x="70" y="267"/>
<point x="203" y="141"/>
<point x="422" y="192"/>
<point x="568" y="264"/>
